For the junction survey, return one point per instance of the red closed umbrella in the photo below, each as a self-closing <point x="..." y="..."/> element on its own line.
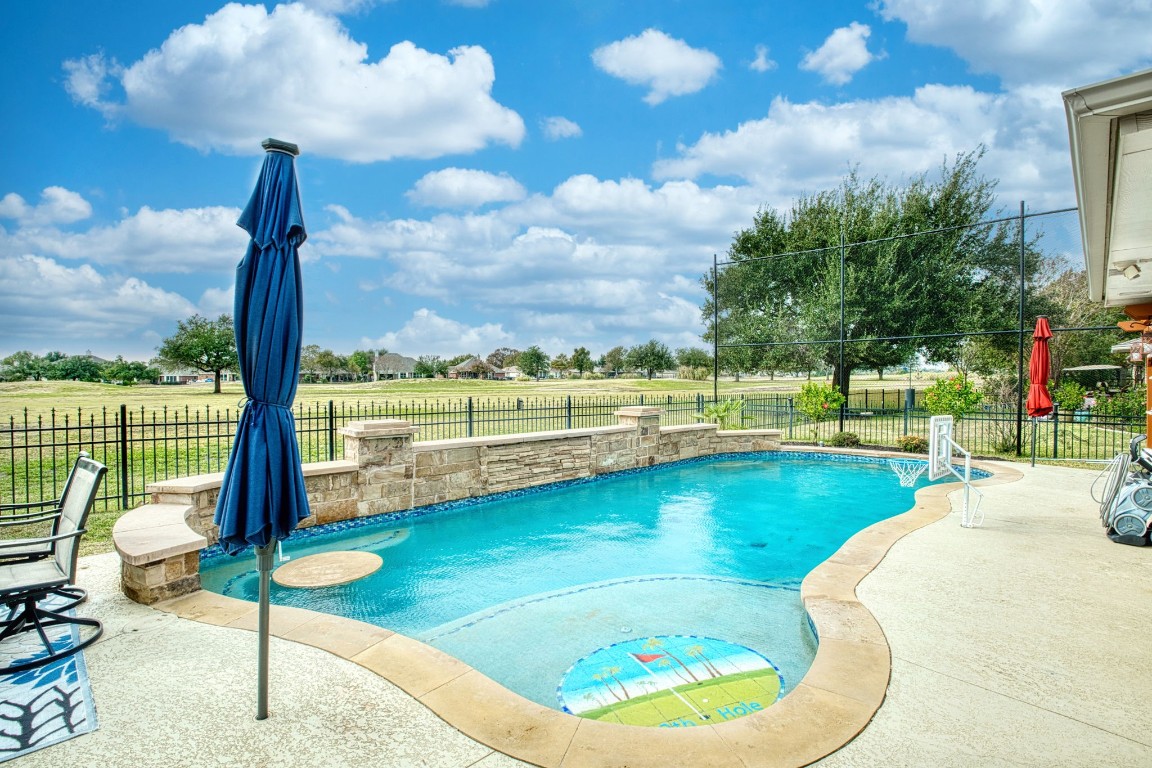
<point x="1039" y="402"/>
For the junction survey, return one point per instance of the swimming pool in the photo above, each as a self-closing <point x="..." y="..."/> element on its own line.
<point x="704" y="555"/>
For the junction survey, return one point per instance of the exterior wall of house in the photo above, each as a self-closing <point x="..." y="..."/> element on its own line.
<point x="384" y="470"/>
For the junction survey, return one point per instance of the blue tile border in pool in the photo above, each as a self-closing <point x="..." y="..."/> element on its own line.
<point x="386" y="518"/>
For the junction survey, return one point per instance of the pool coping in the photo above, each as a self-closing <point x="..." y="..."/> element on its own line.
<point x="833" y="703"/>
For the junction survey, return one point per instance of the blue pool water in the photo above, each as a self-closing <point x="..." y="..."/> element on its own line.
<point x="523" y="585"/>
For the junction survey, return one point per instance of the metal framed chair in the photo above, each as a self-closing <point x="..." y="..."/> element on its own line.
<point x="41" y="519"/>
<point x="37" y="589"/>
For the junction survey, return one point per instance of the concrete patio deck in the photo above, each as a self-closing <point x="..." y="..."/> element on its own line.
<point x="1023" y="642"/>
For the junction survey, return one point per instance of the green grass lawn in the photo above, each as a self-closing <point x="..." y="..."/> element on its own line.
<point x="42" y="397"/>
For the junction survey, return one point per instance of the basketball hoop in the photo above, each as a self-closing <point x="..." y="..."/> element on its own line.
<point x="908" y="471"/>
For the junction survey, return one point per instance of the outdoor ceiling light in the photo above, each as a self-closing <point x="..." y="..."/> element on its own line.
<point x="1131" y="271"/>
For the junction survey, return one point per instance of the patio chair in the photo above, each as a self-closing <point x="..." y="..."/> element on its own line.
<point x="32" y="586"/>
<point x="17" y="521"/>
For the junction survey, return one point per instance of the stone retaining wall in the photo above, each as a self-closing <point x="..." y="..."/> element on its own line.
<point x="384" y="470"/>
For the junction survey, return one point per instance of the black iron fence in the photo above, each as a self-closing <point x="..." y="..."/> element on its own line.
<point x="140" y="447"/>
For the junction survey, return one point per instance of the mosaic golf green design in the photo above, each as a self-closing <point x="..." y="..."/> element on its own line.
<point x="670" y="681"/>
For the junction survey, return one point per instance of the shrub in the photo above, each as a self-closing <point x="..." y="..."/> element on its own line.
<point x="1069" y="395"/>
<point x="726" y="413"/>
<point x="1129" y="403"/>
<point x="953" y="396"/>
<point x="697" y="373"/>
<point x="593" y="376"/>
<point x="845" y="440"/>
<point x="818" y="401"/>
<point x="523" y="378"/>
<point x="912" y="443"/>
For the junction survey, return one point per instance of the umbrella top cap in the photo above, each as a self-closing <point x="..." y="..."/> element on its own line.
<point x="276" y="145"/>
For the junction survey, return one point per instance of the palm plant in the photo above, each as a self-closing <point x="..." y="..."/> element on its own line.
<point x="726" y="413"/>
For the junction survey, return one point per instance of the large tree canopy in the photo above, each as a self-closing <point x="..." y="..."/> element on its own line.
<point x="533" y="362"/>
<point x="203" y="344"/>
<point x="650" y="357"/>
<point x="784" y="277"/>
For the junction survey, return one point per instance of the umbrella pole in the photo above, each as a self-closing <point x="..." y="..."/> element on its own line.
<point x="264" y="566"/>
<point x="1033" y="441"/>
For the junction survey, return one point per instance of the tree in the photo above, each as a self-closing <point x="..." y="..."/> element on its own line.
<point x="1064" y="300"/>
<point x="503" y="357"/>
<point x="561" y="364"/>
<point x="430" y="366"/>
<point x="129" y="372"/>
<point x="202" y="344"/>
<point x="453" y="361"/>
<point x="650" y="357"/>
<point x="693" y="357"/>
<point x="310" y="362"/>
<point x="331" y="364"/>
<point x="360" y="363"/>
<point x="23" y="365"/>
<point x="614" y="360"/>
<point x="784" y="281"/>
<point x="76" y="368"/>
<point x="533" y="362"/>
<point x="582" y="360"/>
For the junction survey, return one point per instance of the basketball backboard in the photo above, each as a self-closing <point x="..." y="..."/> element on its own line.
<point x="939" y="447"/>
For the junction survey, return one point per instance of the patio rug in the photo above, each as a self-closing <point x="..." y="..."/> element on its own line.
<point x="43" y="706"/>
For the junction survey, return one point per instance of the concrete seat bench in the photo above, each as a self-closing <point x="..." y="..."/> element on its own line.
<point x="159" y="553"/>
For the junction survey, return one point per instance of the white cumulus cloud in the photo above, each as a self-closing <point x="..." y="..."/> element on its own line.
<point x="665" y="65"/>
<point x="842" y="55"/>
<point x="1063" y="43"/>
<point x="762" y="63"/>
<point x="57" y="206"/>
<point x="427" y="333"/>
<point x="559" y="128"/>
<point x="245" y="74"/>
<point x="804" y="147"/>
<point x="148" y="241"/>
<point x="465" y="188"/>
<point x="41" y="298"/>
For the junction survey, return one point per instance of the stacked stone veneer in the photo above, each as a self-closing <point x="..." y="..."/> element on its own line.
<point x="384" y="470"/>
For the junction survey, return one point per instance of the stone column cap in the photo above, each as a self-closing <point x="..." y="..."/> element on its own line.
<point x="638" y="410"/>
<point x="379" y="428"/>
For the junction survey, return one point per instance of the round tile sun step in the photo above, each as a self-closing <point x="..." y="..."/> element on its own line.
<point x="327" y="569"/>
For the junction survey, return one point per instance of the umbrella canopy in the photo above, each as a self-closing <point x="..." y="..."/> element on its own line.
<point x="1039" y="402"/>
<point x="262" y="498"/>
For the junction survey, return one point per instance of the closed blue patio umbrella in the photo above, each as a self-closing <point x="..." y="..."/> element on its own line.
<point x="262" y="498"/>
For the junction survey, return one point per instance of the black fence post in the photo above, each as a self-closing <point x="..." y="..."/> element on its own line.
<point x="331" y="431"/>
<point x="909" y="404"/>
<point x="791" y="413"/>
<point x="1056" y="430"/>
<point x="124" y="467"/>
<point x="471" y="416"/>
<point x="699" y="402"/>
<point x="567" y="412"/>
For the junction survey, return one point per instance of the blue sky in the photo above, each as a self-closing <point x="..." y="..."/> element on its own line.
<point x="487" y="173"/>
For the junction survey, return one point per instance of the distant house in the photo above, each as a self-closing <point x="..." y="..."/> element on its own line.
<point x="475" y="369"/>
<point x="189" y="376"/>
<point x="392" y="366"/>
